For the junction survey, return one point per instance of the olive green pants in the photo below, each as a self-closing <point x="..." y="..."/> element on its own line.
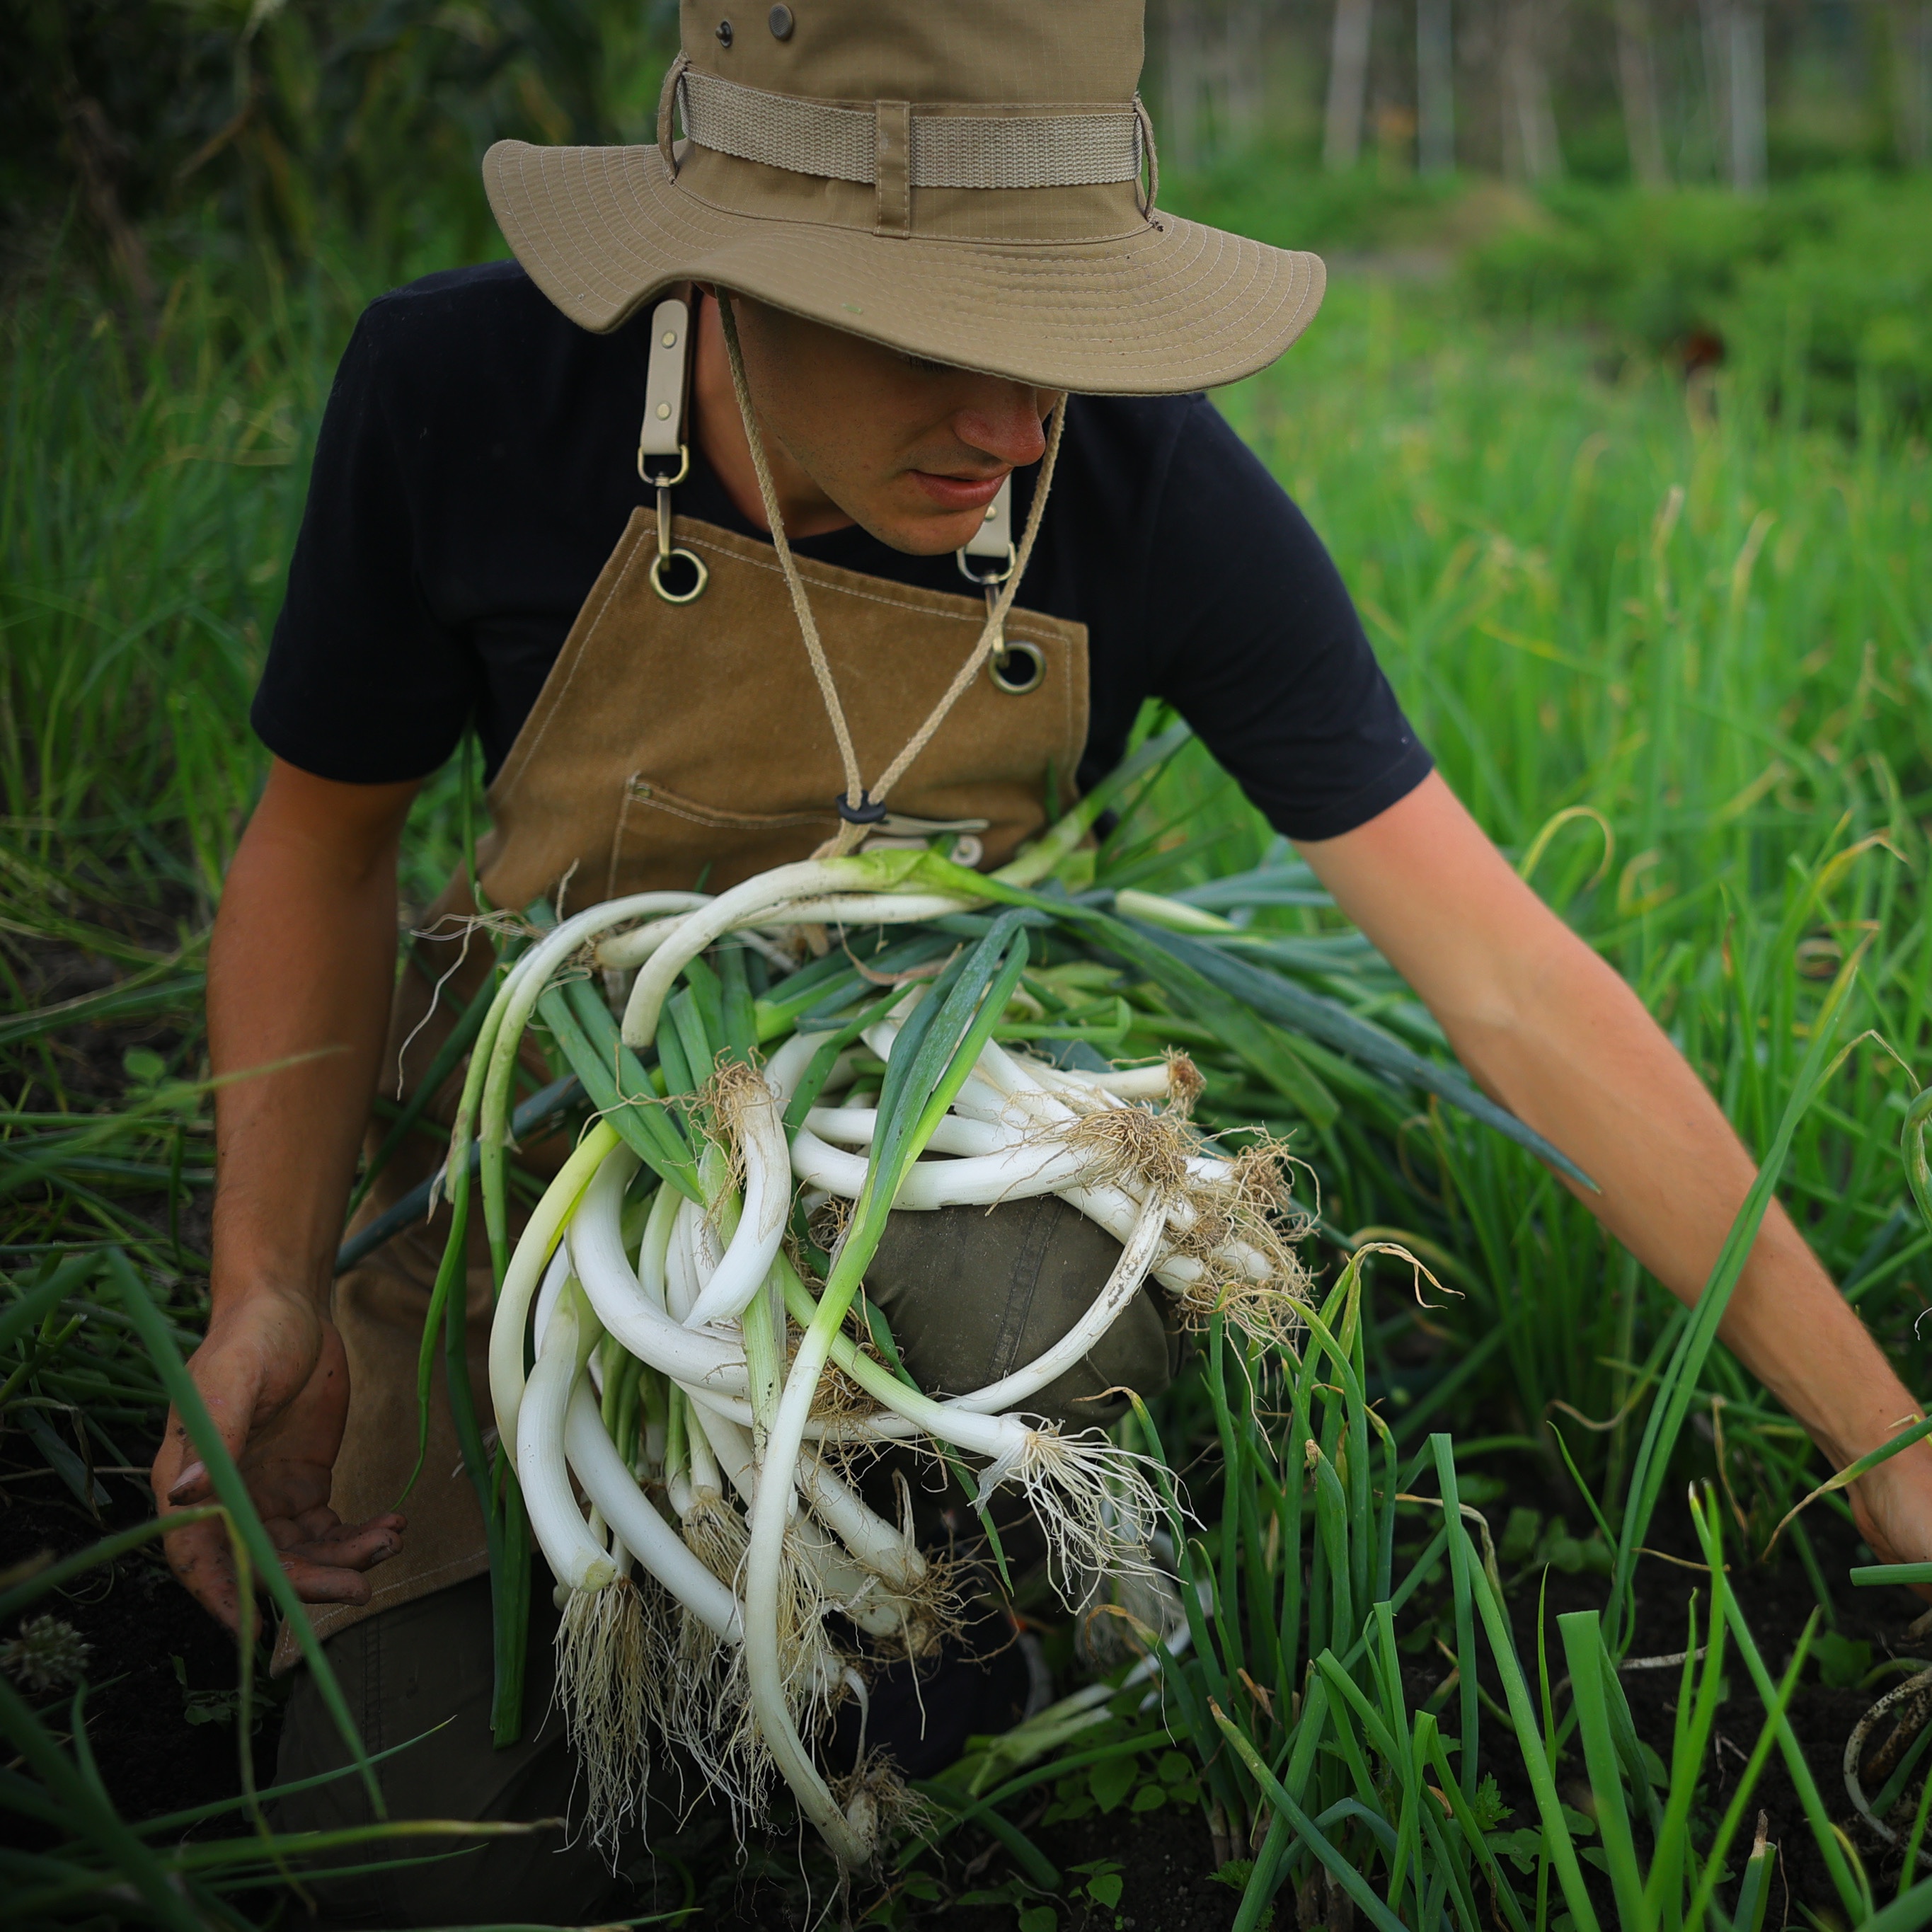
<point x="971" y="1295"/>
<point x="425" y="1671"/>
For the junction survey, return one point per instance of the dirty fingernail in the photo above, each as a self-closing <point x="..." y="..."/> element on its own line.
<point x="190" y="1477"/>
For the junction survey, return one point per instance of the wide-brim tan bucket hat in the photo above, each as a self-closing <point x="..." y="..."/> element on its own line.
<point x="969" y="180"/>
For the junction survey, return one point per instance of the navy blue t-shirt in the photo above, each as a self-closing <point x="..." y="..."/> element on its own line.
<point x="477" y="464"/>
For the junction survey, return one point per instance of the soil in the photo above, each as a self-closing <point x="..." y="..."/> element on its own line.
<point x="1777" y="1600"/>
<point x="164" y="1737"/>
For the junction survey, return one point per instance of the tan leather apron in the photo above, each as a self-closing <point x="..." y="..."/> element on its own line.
<point x="674" y="744"/>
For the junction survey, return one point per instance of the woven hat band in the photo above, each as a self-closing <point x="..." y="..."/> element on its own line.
<point x="966" y="148"/>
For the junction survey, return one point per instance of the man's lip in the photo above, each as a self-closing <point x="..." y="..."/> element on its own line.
<point x="958" y="493"/>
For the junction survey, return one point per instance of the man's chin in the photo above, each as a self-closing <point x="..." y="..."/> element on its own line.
<point x="924" y="534"/>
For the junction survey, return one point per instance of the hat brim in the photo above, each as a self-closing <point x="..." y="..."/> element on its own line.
<point x="1163" y="311"/>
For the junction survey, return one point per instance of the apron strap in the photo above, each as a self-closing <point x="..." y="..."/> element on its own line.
<point x="859" y="808"/>
<point x="663" y="453"/>
<point x="986" y="560"/>
<point x="993" y="538"/>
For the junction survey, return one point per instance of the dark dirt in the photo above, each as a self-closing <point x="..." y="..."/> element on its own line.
<point x="1166" y="1866"/>
<point x="1162" y="1859"/>
<point x="156" y="1757"/>
<point x="1777" y="1600"/>
<point x="137" y="1620"/>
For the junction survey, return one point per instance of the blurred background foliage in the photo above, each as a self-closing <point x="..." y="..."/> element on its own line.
<point x="1679" y="175"/>
<point x="237" y="127"/>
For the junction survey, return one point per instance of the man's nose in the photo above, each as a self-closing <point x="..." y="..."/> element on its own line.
<point x="1003" y="420"/>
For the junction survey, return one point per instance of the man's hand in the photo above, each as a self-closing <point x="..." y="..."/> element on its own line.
<point x="273" y="1377"/>
<point x="1893" y="1509"/>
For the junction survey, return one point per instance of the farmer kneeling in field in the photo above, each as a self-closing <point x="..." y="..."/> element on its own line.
<point x="908" y="228"/>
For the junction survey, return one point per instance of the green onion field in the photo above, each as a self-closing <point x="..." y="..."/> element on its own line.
<point x="1497" y="1612"/>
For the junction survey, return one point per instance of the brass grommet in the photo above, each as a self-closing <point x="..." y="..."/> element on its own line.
<point x="696" y="563"/>
<point x="1020" y="668"/>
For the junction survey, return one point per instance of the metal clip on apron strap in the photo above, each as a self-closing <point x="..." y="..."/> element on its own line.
<point x="663" y="456"/>
<point x="1016" y="668"/>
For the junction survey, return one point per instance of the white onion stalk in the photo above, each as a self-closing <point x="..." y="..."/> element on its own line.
<point x="877" y="1428"/>
<point x="655" y="1245"/>
<point x="1036" y="1459"/>
<point x="786" y="1067"/>
<point x="1126" y="1083"/>
<point x="754" y="1115"/>
<point x="554" y="1276"/>
<point x="857" y="1126"/>
<point x="1030" y="1168"/>
<point x="761" y="901"/>
<point x="622" y="950"/>
<point x="1137" y="1257"/>
<point x="540" y="1234"/>
<point x="1024" y="1169"/>
<point x="645" y="1535"/>
<point x="623" y="1306"/>
<point x="1005" y="1084"/>
<point x="873" y="909"/>
<point x="517" y="998"/>
<point x="578" y="1559"/>
<point x="1073" y="1484"/>
<point x="853" y="1585"/>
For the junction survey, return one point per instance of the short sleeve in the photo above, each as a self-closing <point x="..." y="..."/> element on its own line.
<point x="362" y="685"/>
<point x="1262" y="651"/>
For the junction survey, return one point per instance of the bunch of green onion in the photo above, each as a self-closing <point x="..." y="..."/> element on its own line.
<point x="686" y="1377"/>
<point x="657" y="1337"/>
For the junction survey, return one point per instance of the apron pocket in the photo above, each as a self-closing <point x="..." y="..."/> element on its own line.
<point x="667" y="841"/>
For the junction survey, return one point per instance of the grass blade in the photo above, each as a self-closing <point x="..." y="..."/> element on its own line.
<point x="228" y="1485"/>
<point x="1583" y="1650"/>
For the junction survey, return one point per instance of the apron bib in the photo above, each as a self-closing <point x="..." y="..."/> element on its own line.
<point x="675" y="745"/>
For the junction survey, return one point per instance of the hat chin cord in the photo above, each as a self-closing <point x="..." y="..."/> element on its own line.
<point x="861" y="808"/>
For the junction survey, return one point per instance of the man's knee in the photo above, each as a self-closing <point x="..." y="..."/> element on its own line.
<point x="421" y="1677"/>
<point x="972" y="1294"/>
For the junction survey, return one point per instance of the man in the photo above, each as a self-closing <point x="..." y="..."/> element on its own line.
<point x="926" y="223"/>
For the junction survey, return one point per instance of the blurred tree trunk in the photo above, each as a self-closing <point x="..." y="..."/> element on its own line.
<point x="1636" y="77"/>
<point x="1348" y="84"/>
<point x="1243" y="69"/>
<point x="1745" y="88"/>
<point x="1714" y="16"/>
<point x="1183" y="131"/>
<point x="1734" y="74"/>
<point x="1435" y="87"/>
<point x="1911" y="24"/>
<point x="1530" y="151"/>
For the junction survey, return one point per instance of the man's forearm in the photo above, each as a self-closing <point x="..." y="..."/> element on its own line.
<point x="1581" y="1061"/>
<point x="299" y="978"/>
<point x="1551" y="1031"/>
